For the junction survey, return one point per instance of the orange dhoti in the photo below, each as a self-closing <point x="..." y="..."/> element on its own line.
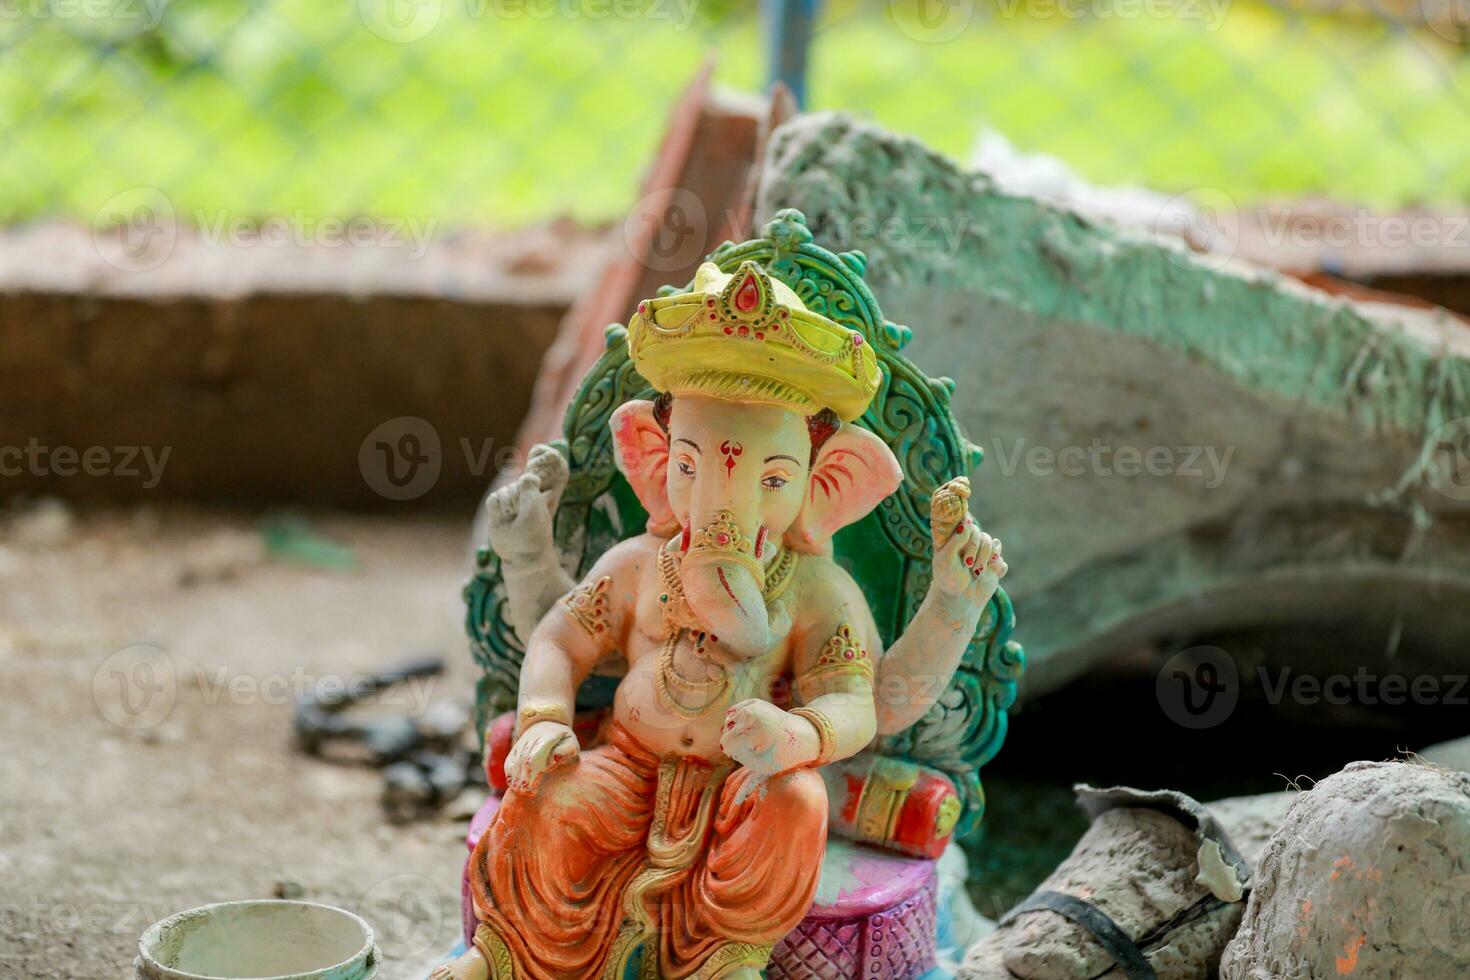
<point x="711" y="868"/>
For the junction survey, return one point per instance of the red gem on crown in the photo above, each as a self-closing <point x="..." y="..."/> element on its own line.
<point x="748" y="297"/>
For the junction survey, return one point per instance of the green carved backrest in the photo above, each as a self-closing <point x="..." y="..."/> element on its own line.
<point x="888" y="552"/>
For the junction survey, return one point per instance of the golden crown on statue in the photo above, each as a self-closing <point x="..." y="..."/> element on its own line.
<point x="747" y="337"/>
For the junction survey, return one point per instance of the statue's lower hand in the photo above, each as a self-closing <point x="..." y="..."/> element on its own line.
<point x="757" y="735"/>
<point x="969" y="566"/>
<point x="540" y="748"/>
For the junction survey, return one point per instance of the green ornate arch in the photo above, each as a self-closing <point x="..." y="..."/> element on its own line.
<point x="888" y="552"/>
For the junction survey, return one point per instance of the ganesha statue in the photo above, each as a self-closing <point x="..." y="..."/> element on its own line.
<point x="679" y="830"/>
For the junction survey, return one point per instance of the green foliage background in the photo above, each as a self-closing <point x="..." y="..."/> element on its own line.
<point x="279" y="106"/>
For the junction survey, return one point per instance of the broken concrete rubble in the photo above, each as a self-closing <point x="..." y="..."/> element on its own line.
<point x="1154" y="887"/>
<point x="1251" y="821"/>
<point x="1176" y="445"/>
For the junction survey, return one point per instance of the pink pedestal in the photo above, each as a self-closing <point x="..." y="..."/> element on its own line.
<point x="874" y="917"/>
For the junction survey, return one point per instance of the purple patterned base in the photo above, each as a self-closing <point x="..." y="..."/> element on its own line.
<point x="874" y="918"/>
<point x="866" y="933"/>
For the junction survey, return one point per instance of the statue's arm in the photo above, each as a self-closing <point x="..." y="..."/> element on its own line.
<point x="918" y="666"/>
<point x="532" y="588"/>
<point x="521" y="535"/>
<point x="834" y="681"/>
<point x="581" y="628"/>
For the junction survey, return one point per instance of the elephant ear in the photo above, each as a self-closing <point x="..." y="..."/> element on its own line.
<point x="641" y="450"/>
<point x="852" y="474"/>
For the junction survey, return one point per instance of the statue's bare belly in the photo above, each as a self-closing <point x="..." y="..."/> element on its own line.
<point x="642" y="709"/>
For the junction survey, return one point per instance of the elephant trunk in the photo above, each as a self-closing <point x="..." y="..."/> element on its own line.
<point x="727" y="599"/>
<point x="722" y="582"/>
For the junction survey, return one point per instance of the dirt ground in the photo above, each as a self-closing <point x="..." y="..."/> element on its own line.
<point x="147" y="664"/>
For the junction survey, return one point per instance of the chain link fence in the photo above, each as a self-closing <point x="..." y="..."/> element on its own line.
<point x="504" y="112"/>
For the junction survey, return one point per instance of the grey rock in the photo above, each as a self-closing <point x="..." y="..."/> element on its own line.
<point x="1369" y="877"/>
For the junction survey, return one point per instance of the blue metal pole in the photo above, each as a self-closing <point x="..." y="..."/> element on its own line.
<point x="788" y="37"/>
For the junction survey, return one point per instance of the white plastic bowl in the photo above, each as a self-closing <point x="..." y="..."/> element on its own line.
<point x="259" y="940"/>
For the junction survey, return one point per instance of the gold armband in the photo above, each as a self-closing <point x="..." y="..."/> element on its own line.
<point x="826" y="733"/>
<point x="532" y="713"/>
<point x="842" y="654"/>
<point x="587" y="604"/>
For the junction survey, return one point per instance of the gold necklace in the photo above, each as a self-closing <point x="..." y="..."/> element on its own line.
<point x="676" y="618"/>
<point x="667" y="677"/>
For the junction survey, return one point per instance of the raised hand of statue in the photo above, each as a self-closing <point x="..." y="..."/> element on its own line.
<point x="969" y="565"/>
<point x="521" y="512"/>
<point x="540" y="748"/>
<point x="967" y="561"/>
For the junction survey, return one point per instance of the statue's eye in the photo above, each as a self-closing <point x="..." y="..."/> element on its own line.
<point x="684" y="467"/>
<point x="774" y="482"/>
